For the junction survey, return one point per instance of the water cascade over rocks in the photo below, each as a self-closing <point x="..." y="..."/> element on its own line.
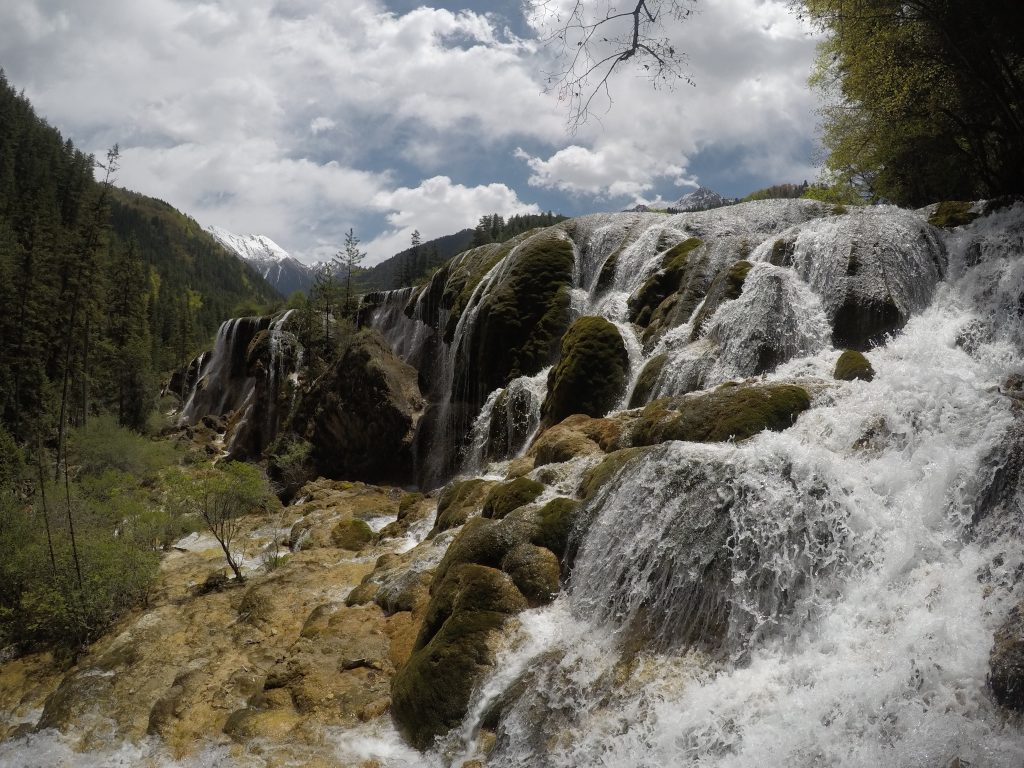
<point x="750" y="559"/>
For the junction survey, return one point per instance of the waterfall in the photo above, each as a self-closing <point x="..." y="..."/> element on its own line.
<point x="819" y="596"/>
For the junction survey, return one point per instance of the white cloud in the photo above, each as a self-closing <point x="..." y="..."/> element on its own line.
<point x="614" y="169"/>
<point x="300" y="119"/>
<point x="321" y="124"/>
<point x="438" y="207"/>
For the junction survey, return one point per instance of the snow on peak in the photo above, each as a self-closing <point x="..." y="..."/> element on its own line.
<point x="256" y="249"/>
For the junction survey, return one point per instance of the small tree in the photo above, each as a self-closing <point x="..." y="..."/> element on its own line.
<point x="347" y="261"/>
<point x="221" y="496"/>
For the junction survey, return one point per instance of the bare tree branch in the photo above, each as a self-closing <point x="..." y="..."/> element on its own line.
<point x="594" y="38"/>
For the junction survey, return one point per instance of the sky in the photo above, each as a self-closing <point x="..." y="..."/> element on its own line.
<point x="300" y="119"/>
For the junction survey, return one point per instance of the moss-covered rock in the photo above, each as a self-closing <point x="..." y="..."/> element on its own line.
<point x="455" y="649"/>
<point x="504" y="498"/>
<point x="647" y="381"/>
<point x="952" y="213"/>
<point x="511" y="423"/>
<point x="534" y="570"/>
<point x="519" y="320"/>
<point x="561" y="443"/>
<point x="353" y="535"/>
<point x="460" y="500"/>
<point x="728" y="285"/>
<point x="591" y="373"/>
<point x="853" y="365"/>
<point x="663" y="283"/>
<point x="595" y="477"/>
<point x="730" y="412"/>
<point x="554" y="524"/>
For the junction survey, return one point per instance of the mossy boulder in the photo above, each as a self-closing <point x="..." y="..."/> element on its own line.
<point x="663" y="283"/>
<point x="730" y="412"/>
<point x="502" y="499"/>
<point x="353" y="535"/>
<point x="853" y="365"/>
<point x="595" y="477"/>
<point x="519" y="320"/>
<point x="728" y="285"/>
<point x="647" y="381"/>
<point x="459" y="501"/>
<point x="782" y="253"/>
<point x="534" y="570"/>
<point x="455" y="649"/>
<point x="1006" y="662"/>
<point x="952" y="213"/>
<point x="554" y="524"/>
<point x="561" y="443"/>
<point x="591" y="373"/>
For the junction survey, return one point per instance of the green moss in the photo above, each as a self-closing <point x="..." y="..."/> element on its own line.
<point x="726" y="287"/>
<point x="647" y="380"/>
<point x="484" y="542"/>
<point x="458" y="501"/>
<point x="520" y="319"/>
<point x="952" y="213"/>
<point x="431" y="692"/>
<point x="663" y="283"/>
<point x="506" y="497"/>
<point x="535" y="572"/>
<point x="729" y="412"/>
<point x="591" y="373"/>
<point x="853" y="365"/>
<point x="555" y="522"/>
<point x="597" y="476"/>
<point x="352" y="534"/>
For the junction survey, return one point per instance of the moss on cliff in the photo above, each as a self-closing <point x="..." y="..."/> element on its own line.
<point x="663" y="283"/>
<point x="591" y="373"/>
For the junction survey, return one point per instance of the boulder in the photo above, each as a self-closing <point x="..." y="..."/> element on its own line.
<point x="519" y="320"/>
<point x="360" y="417"/>
<point x="733" y="411"/>
<point x="459" y="501"/>
<point x="455" y="649"/>
<point x="504" y="498"/>
<point x="853" y="365"/>
<point x="591" y="373"/>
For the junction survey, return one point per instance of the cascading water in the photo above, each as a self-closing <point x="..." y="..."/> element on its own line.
<point x="819" y="596"/>
<point x="507" y="423"/>
<point x="252" y="360"/>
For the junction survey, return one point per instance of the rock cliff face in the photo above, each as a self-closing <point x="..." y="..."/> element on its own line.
<point x="360" y="417"/>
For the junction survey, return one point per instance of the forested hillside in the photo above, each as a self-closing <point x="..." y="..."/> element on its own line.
<point x="103" y="289"/>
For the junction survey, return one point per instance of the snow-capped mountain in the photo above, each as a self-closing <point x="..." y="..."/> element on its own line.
<point x="279" y="268"/>
<point x="701" y="199"/>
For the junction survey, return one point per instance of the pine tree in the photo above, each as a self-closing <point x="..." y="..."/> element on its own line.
<point x="347" y="261"/>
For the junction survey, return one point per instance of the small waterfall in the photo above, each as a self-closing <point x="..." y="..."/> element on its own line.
<point x="507" y="423"/>
<point x="221" y="385"/>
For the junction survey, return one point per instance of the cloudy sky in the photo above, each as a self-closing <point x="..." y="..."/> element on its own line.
<point x="298" y="119"/>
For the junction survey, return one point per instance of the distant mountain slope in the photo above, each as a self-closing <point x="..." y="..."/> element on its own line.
<point x="184" y="257"/>
<point x="432" y="253"/>
<point x="278" y="267"/>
